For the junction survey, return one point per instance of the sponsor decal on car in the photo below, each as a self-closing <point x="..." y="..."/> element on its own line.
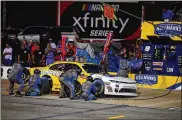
<point x="52" y="72"/>
<point x="146" y="79"/>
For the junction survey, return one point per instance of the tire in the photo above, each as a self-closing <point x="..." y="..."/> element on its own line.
<point x="46" y="89"/>
<point x="99" y="87"/>
<point x="78" y="89"/>
<point x="25" y="75"/>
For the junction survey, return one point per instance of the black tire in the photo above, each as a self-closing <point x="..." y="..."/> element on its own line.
<point x="25" y="75"/>
<point x="78" y="89"/>
<point x="98" y="83"/>
<point x="46" y="89"/>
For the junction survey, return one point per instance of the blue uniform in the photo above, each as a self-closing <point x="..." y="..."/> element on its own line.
<point x="88" y="90"/>
<point x="124" y="68"/>
<point x="15" y="77"/>
<point x="34" y="85"/>
<point x="68" y="79"/>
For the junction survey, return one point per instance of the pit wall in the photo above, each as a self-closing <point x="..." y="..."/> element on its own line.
<point x="157" y="81"/>
<point x="143" y="80"/>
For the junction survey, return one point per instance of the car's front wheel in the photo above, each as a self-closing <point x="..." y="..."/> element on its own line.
<point x="25" y="75"/>
<point x="78" y="89"/>
<point x="99" y="85"/>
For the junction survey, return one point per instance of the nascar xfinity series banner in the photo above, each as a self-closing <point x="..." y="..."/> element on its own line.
<point x="87" y="17"/>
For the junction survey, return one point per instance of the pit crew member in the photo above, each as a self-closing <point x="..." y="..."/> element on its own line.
<point x="15" y="77"/>
<point x="124" y="67"/>
<point x="68" y="79"/>
<point x="88" y="90"/>
<point x="34" y="84"/>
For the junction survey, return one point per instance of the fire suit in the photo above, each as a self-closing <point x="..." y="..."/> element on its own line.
<point x="124" y="67"/>
<point x="35" y="85"/>
<point x="88" y="91"/>
<point x="15" y="77"/>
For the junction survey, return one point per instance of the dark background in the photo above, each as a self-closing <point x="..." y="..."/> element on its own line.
<point x="26" y="13"/>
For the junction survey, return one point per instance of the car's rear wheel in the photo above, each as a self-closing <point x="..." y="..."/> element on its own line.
<point x="98" y="83"/>
<point x="46" y="87"/>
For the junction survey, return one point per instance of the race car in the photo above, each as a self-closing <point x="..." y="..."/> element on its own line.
<point x="105" y="82"/>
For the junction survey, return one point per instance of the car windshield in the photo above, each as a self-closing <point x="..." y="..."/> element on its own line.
<point x="91" y="68"/>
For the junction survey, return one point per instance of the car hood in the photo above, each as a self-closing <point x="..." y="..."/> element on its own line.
<point x="113" y="77"/>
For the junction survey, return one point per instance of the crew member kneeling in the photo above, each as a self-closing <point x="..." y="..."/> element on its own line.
<point x="35" y="84"/>
<point x="88" y="90"/>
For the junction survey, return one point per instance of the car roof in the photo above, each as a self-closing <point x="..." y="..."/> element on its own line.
<point x="72" y="62"/>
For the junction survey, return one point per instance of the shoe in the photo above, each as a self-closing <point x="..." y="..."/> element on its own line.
<point x="27" y="94"/>
<point x="11" y="93"/>
<point x="62" y="97"/>
<point x="18" y="93"/>
<point x="72" y="99"/>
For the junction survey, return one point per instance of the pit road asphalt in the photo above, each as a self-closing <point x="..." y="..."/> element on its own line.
<point x="33" y="108"/>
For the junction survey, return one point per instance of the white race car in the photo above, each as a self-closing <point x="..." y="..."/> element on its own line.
<point x="114" y="85"/>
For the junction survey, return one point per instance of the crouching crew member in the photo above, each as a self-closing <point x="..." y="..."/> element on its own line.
<point x="68" y="79"/>
<point x="35" y="84"/>
<point x="88" y="90"/>
<point x="15" y="77"/>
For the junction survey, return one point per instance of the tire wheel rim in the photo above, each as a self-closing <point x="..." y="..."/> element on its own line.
<point x="98" y="87"/>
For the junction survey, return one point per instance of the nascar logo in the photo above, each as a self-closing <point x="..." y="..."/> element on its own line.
<point x="96" y="7"/>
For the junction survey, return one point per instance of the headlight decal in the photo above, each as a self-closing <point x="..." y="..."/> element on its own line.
<point x="107" y="83"/>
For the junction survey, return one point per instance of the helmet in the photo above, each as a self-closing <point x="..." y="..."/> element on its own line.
<point x="37" y="71"/>
<point x="89" y="78"/>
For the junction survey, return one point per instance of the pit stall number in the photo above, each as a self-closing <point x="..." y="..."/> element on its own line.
<point x="5" y="70"/>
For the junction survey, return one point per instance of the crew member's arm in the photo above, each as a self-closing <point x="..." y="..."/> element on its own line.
<point x="42" y="60"/>
<point x="18" y="58"/>
<point x="33" y="58"/>
<point x="4" y="52"/>
<point x="29" y="58"/>
<point x="74" y="49"/>
<point x="47" y="50"/>
<point x="11" y="51"/>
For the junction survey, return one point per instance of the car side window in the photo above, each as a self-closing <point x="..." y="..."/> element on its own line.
<point x="69" y="66"/>
<point x="53" y="67"/>
<point x="60" y="66"/>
